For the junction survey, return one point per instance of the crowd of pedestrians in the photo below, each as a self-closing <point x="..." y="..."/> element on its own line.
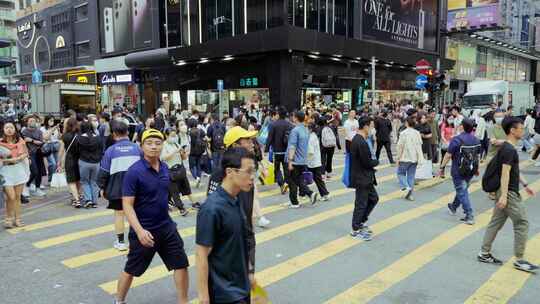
<point x="141" y="168"/>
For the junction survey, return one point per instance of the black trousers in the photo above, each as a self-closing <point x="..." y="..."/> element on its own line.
<point x="536" y="153"/>
<point x="388" y="147"/>
<point x="279" y="163"/>
<point x="175" y="196"/>
<point x="317" y="178"/>
<point x="296" y="183"/>
<point x="37" y="169"/>
<point x="365" y="200"/>
<point x="327" y="155"/>
<point x="434" y="153"/>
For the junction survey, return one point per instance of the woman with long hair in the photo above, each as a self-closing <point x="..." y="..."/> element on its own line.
<point x="69" y="159"/>
<point x="51" y="137"/>
<point x="90" y="148"/>
<point x="13" y="169"/>
<point x="447" y="132"/>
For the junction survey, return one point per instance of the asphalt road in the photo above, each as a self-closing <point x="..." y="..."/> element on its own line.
<point x="419" y="254"/>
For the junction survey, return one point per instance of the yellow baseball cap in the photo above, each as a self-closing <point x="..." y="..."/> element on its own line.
<point x="152" y="133"/>
<point x="236" y="133"/>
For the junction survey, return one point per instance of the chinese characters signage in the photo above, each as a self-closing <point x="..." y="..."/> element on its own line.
<point x="249" y="82"/>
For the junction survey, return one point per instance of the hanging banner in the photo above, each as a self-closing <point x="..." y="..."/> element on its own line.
<point x="466" y="14"/>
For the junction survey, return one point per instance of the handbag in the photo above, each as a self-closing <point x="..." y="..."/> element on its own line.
<point x="308" y="177"/>
<point x="59" y="180"/>
<point x="50" y="147"/>
<point x="177" y="172"/>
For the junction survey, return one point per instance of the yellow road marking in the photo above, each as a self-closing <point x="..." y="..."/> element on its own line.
<point x="60" y="221"/>
<point x="280" y="271"/>
<point x="507" y="281"/>
<point x="160" y="272"/>
<point x="381" y="281"/>
<point x="106" y="254"/>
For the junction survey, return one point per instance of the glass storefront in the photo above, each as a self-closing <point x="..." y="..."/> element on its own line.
<point x="319" y="98"/>
<point x="232" y="100"/>
<point x="395" y="96"/>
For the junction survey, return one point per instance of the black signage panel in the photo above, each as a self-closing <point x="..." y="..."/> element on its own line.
<point x="119" y="77"/>
<point x="411" y="24"/>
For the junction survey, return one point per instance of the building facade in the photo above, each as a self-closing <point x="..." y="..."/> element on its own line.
<point x="8" y="52"/>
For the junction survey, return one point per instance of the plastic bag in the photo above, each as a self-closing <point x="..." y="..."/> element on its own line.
<point x="263" y="134"/>
<point x="424" y="170"/>
<point x="259" y="295"/>
<point x="270" y="177"/>
<point x="59" y="180"/>
<point x="346" y="177"/>
<point x="308" y="177"/>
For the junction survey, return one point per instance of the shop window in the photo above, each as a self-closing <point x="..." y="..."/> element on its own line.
<point x="174" y="29"/>
<point x="274" y="13"/>
<point x="340" y="17"/>
<point x="481" y="62"/>
<point x="256" y="15"/>
<point x="81" y="12"/>
<point x="312" y="16"/>
<point x="82" y="49"/>
<point x="323" y="10"/>
<point x="296" y="12"/>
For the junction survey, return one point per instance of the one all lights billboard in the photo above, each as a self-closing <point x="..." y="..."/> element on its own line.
<point x="475" y="13"/>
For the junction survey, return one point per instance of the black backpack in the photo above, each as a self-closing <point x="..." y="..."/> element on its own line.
<point x="491" y="181"/>
<point x="198" y="145"/>
<point x="217" y="139"/>
<point x="469" y="160"/>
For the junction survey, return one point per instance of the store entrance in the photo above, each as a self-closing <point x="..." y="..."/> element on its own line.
<point x="323" y="98"/>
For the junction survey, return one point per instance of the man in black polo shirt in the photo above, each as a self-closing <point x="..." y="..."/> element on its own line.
<point x="145" y="201"/>
<point x="222" y="247"/>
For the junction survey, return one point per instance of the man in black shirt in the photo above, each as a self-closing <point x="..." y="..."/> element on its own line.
<point x="362" y="178"/>
<point x="277" y="139"/>
<point x="509" y="203"/>
<point x="383" y="125"/>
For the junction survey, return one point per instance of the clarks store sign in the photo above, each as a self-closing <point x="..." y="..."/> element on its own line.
<point x="408" y="23"/>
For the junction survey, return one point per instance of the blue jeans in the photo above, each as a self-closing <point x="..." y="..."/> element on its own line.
<point x="195" y="166"/>
<point x="89" y="175"/>
<point x="406" y="173"/>
<point x="52" y="162"/>
<point x="217" y="156"/>
<point x="462" y="195"/>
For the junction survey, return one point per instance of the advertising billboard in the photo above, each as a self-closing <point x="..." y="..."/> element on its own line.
<point x="127" y="25"/>
<point x="476" y="13"/>
<point x="411" y="24"/>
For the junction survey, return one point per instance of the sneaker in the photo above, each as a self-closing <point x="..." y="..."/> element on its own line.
<point x="537" y="164"/>
<point x="183" y="211"/>
<point x="313" y="198"/>
<point x="366" y="228"/>
<point x="362" y="235"/>
<point x="24" y="200"/>
<point x="119" y="302"/>
<point x="325" y="198"/>
<point x="409" y="196"/>
<point x="120" y="246"/>
<point x="94" y="205"/>
<point x="37" y="192"/>
<point x="32" y="188"/>
<point x="42" y="187"/>
<point x="196" y="205"/>
<point x="263" y="222"/>
<point x="293" y="206"/>
<point x="451" y="209"/>
<point x="76" y="204"/>
<point x="329" y="175"/>
<point x="469" y="220"/>
<point x="488" y="258"/>
<point x="525" y="266"/>
<point x="88" y="205"/>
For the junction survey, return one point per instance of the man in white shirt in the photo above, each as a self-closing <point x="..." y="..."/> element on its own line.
<point x="351" y="126"/>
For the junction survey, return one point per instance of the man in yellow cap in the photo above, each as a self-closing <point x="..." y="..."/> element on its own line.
<point x="146" y="204"/>
<point x="238" y="137"/>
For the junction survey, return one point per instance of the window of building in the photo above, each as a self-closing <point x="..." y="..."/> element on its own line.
<point x="312" y="16"/>
<point x="481" y="62"/>
<point x="81" y="12"/>
<point x="62" y="58"/>
<point x="256" y="15"/>
<point x="82" y="49"/>
<point x="340" y="17"/>
<point x="274" y="13"/>
<point x="174" y="23"/>
<point x="7" y="5"/>
<point x="323" y="12"/>
<point x="60" y="22"/>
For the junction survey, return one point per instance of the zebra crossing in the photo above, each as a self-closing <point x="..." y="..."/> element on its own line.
<point x="305" y="256"/>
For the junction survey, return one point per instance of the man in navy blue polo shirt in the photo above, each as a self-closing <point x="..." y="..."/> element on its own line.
<point x="145" y="201"/>
<point x="222" y="247"/>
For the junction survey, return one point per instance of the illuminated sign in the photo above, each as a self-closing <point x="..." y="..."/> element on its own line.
<point x="60" y="42"/>
<point x="24" y="27"/>
<point x="82" y="79"/>
<point x="249" y="82"/>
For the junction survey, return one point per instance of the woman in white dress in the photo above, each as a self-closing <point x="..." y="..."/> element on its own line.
<point x="13" y="169"/>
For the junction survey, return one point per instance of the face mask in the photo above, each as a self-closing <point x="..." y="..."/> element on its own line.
<point x="183" y="129"/>
<point x="450" y="121"/>
<point x="51" y="123"/>
<point x="172" y="139"/>
<point x="95" y="124"/>
<point x="498" y="120"/>
<point x="33" y="125"/>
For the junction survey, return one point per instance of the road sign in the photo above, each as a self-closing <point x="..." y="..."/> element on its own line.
<point x="421" y="81"/>
<point x="220" y="85"/>
<point x="37" y="77"/>
<point x="423" y="66"/>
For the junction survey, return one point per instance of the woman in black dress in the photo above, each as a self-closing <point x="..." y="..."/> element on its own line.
<point x="69" y="159"/>
<point x="425" y="130"/>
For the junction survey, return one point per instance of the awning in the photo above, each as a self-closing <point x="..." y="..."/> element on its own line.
<point x="72" y="92"/>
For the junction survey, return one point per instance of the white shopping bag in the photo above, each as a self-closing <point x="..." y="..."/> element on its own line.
<point x="424" y="170"/>
<point x="59" y="180"/>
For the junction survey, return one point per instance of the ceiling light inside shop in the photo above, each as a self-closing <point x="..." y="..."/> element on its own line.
<point x="313" y="56"/>
<point x="388" y="65"/>
<point x="499" y="43"/>
<point x="505" y="45"/>
<point x="181" y="62"/>
<point x="358" y="58"/>
<point x="402" y="66"/>
<point x="336" y="59"/>
<point x="316" y="53"/>
<point x="339" y="56"/>
<point x="203" y="60"/>
<point x="473" y="35"/>
<point x="228" y="58"/>
<point x="480" y="38"/>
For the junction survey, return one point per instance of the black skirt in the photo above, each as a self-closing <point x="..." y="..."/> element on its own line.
<point x="72" y="170"/>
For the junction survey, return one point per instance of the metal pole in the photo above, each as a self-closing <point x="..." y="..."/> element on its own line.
<point x="373" y="64"/>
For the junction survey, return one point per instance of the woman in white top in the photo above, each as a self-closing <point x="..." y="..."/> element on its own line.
<point x="409" y="155"/>
<point x="314" y="163"/>
<point x="529" y="131"/>
<point x="51" y="136"/>
<point x="174" y="155"/>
